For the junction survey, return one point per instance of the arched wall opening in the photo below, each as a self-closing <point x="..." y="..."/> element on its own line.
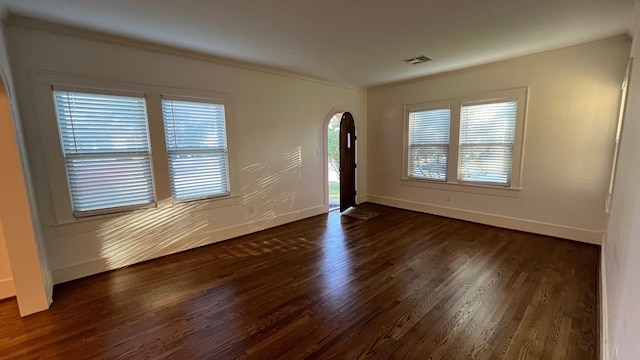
<point x="331" y="157"/>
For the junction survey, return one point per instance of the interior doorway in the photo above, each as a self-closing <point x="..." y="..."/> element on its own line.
<point x="333" y="161"/>
<point x="341" y="161"/>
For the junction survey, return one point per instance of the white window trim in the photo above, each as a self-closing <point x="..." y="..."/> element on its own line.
<point x="452" y="184"/>
<point x="44" y="82"/>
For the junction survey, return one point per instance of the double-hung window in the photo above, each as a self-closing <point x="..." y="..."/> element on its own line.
<point x="111" y="147"/>
<point x="487" y="134"/>
<point x="429" y="143"/>
<point x="477" y="141"/>
<point x="105" y="144"/>
<point x="196" y="139"/>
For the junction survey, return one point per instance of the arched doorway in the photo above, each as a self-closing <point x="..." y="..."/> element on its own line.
<point x="341" y="161"/>
<point x="333" y="161"/>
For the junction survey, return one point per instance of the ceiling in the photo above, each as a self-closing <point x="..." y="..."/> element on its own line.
<point x="353" y="42"/>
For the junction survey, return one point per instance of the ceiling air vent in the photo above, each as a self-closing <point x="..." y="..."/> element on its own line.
<point x="418" y="60"/>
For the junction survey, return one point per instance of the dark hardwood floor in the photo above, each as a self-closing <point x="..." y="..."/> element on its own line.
<point x="401" y="285"/>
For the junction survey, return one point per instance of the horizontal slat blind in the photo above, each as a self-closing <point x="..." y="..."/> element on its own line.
<point x="429" y="144"/>
<point x="106" y="147"/>
<point x="487" y="133"/>
<point x="197" y="149"/>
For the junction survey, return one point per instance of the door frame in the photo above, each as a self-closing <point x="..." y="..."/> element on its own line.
<point x="325" y="151"/>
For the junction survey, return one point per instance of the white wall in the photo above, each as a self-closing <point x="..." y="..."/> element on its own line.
<point x="279" y="127"/>
<point x="569" y="138"/>
<point x="22" y="240"/>
<point x="622" y="245"/>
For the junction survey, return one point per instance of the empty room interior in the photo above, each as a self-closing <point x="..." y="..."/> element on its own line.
<point x="320" y="179"/>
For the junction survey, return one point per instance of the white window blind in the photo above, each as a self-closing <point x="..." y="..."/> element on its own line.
<point x="106" y="148"/>
<point x="487" y="133"/>
<point x="429" y="144"/>
<point x="197" y="149"/>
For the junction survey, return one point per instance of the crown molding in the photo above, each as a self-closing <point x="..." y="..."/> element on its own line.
<point x="15" y="20"/>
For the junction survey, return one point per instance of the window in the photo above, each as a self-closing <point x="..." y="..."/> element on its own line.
<point x="429" y="144"/>
<point x="467" y="141"/>
<point x="197" y="149"/>
<point x="100" y="163"/>
<point x="487" y="133"/>
<point x="105" y="145"/>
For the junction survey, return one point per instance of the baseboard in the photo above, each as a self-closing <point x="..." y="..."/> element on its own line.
<point x="565" y="232"/>
<point x="7" y="289"/>
<point x="99" y="265"/>
<point x="604" y="309"/>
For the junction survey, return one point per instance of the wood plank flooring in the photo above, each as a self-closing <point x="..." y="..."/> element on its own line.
<point x="402" y="285"/>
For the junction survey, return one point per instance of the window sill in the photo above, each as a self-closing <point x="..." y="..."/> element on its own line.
<point x="464" y="187"/>
<point x="93" y="223"/>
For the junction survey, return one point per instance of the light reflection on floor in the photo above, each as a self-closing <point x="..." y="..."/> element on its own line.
<point x="336" y="263"/>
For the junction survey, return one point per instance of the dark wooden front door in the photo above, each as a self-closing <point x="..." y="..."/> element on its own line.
<point x="347" y="162"/>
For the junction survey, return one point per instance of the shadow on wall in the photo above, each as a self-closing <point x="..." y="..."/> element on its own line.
<point x="149" y="233"/>
<point x="275" y="184"/>
<point x="125" y="240"/>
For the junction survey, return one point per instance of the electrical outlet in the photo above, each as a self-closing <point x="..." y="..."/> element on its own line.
<point x="615" y="354"/>
<point x="448" y="198"/>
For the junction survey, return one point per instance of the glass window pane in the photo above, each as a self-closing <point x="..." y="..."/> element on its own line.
<point x="197" y="149"/>
<point x="428" y="162"/>
<point x="487" y="133"/>
<point x="106" y="147"/>
<point x="428" y="144"/>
